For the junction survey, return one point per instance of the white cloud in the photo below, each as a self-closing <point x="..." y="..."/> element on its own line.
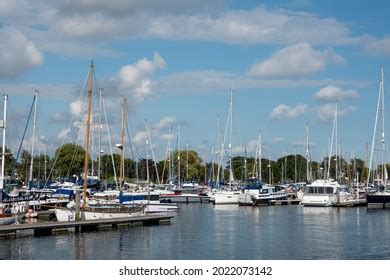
<point x="294" y="61"/>
<point x="277" y="140"/>
<point x="18" y="53"/>
<point x="164" y="123"/>
<point x="206" y="81"/>
<point x="327" y="111"/>
<point x="376" y="46"/>
<point x="332" y="94"/>
<point x="76" y="108"/>
<point x="63" y="133"/>
<point x="92" y="25"/>
<point x="140" y="138"/>
<point x="283" y="111"/>
<point x="137" y="78"/>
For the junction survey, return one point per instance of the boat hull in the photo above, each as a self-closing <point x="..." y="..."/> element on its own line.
<point x="67" y="215"/>
<point x="226" y="198"/>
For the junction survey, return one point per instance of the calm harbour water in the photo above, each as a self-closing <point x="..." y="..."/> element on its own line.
<point x="203" y="231"/>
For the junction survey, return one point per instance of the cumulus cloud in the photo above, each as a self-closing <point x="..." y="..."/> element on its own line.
<point x="18" y="53"/>
<point x="283" y="111"/>
<point x="332" y="94"/>
<point x="158" y="131"/>
<point x="76" y="108"/>
<point x="164" y="123"/>
<point x="294" y="61"/>
<point x="137" y="78"/>
<point x="327" y="111"/>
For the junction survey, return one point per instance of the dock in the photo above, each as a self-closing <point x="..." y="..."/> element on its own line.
<point x="285" y="202"/>
<point x="184" y="198"/>
<point x="47" y="228"/>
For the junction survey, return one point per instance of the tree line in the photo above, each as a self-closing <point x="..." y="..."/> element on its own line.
<point x="68" y="160"/>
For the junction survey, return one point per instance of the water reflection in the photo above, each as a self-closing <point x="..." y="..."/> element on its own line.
<point x="203" y="231"/>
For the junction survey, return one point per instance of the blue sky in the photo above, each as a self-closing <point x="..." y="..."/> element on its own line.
<point x="175" y="61"/>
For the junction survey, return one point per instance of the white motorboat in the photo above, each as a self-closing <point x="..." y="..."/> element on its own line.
<point x="321" y="193"/>
<point x="268" y="194"/>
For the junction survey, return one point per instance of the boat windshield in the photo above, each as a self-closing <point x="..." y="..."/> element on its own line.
<point x="319" y="190"/>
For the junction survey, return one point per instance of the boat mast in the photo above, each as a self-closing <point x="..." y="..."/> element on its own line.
<point x="230" y="140"/>
<point x="380" y="96"/>
<point x="87" y="133"/>
<point x="122" y="162"/>
<point x="178" y="155"/>
<point x="100" y="133"/>
<point x="30" y="178"/>
<point x="187" y="161"/>
<point x="3" y="126"/>
<point x="308" y="179"/>
<point x="383" y="129"/>
<point x="169" y="155"/>
<point x="336" y="142"/>
<point x="295" y="164"/>
<point x="147" y="157"/>
<point x="218" y="151"/>
<point x="260" y="152"/>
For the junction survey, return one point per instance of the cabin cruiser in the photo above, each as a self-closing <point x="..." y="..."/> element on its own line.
<point x="268" y="194"/>
<point x="253" y="188"/>
<point x="325" y="193"/>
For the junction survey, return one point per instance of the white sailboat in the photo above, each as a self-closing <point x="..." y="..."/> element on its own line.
<point x="381" y="196"/>
<point x="229" y="194"/>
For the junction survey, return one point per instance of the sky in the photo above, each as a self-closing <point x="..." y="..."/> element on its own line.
<point x="175" y="62"/>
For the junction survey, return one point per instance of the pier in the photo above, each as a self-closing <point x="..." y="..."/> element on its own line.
<point x="47" y="228"/>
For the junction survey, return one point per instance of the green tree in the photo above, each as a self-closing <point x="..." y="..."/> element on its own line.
<point x="10" y="162"/>
<point x="70" y="160"/>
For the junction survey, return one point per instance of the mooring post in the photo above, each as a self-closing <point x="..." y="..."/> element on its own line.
<point x="77" y="217"/>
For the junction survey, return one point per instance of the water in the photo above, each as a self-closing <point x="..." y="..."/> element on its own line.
<point x="203" y="231"/>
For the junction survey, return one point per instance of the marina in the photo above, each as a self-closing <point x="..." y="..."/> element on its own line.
<point x="180" y="130"/>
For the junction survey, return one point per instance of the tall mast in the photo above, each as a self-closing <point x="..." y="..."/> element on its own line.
<point x="178" y="155"/>
<point x="380" y="96"/>
<point x="307" y="154"/>
<point x="383" y="128"/>
<point x="30" y="178"/>
<point x="122" y="162"/>
<point x="187" y="161"/>
<point x="169" y="155"/>
<point x="260" y="155"/>
<point x="337" y="143"/>
<point x="147" y="161"/>
<point x="218" y="151"/>
<point x="100" y="133"/>
<point x="87" y="133"/>
<point x="3" y="126"/>
<point x="230" y="139"/>
<point x="295" y="164"/>
<point x="245" y="164"/>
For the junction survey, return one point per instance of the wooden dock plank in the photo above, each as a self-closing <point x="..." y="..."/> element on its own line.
<point x="97" y="222"/>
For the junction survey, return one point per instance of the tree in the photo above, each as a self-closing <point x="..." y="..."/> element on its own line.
<point x="70" y="160"/>
<point x="10" y="162"/>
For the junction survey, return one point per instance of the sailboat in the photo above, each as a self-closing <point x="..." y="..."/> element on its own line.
<point x="90" y="213"/>
<point x="228" y="195"/>
<point x="381" y="197"/>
